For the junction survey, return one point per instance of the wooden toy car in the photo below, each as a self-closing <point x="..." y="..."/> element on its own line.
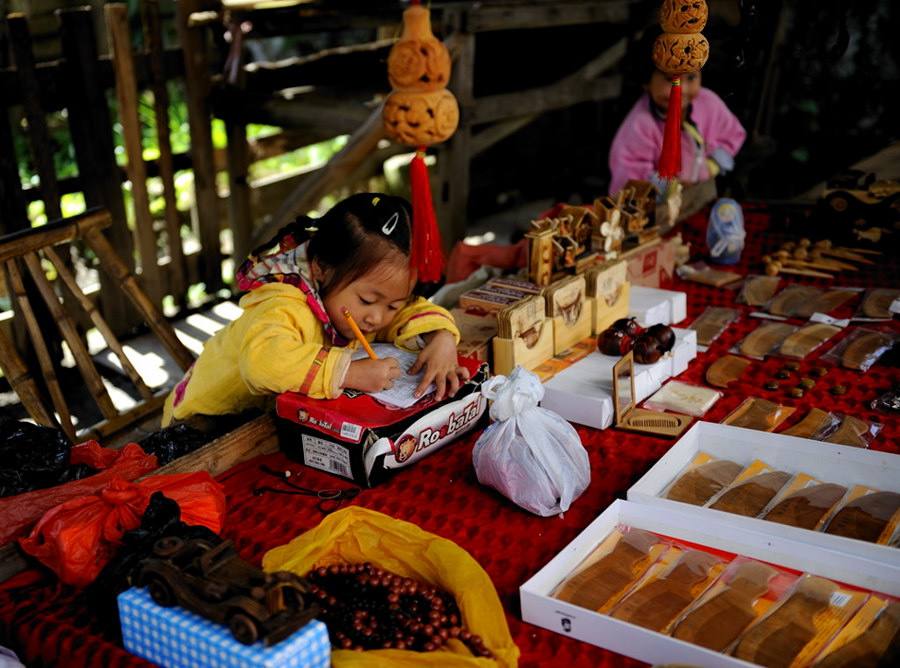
<point x="861" y="199"/>
<point x="214" y="582"/>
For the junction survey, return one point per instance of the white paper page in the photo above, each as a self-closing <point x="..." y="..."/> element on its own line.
<point x="401" y="394"/>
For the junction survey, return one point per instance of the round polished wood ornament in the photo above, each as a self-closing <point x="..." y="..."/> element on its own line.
<point x="420" y="118"/>
<point x="683" y="16"/>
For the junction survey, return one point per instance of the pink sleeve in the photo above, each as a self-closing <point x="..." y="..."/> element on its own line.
<point x="717" y="124"/>
<point x="635" y="148"/>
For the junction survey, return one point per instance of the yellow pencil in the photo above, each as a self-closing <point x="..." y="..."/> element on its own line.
<point x="359" y="334"/>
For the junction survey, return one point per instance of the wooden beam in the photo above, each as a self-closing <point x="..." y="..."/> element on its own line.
<point x="583" y="85"/>
<point x="360" y="145"/>
<point x="532" y="16"/>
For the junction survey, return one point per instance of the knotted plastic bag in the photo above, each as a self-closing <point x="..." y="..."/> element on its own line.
<point x="21" y="512"/>
<point x="78" y="538"/>
<point x="529" y="454"/>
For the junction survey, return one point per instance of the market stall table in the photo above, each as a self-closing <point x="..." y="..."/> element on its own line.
<point x="48" y="623"/>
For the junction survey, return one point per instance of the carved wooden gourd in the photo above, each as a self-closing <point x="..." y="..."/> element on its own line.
<point x="681" y="48"/>
<point x="420" y="111"/>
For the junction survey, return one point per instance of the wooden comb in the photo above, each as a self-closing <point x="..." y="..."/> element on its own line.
<point x="866" y="517"/>
<point x="748" y="498"/>
<point x="698" y="485"/>
<point x="658" y="603"/>
<point x="806" y="339"/>
<point x="601" y="584"/>
<point x="726" y="369"/>
<point x="781" y="636"/>
<point x="812" y="421"/>
<point x="806" y="507"/>
<point x="717" y="622"/>
<point x="869" y="648"/>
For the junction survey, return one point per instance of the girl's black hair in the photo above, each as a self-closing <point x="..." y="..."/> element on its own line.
<point x="353" y="236"/>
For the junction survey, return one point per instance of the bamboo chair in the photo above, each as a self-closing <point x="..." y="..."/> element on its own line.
<point x="21" y="255"/>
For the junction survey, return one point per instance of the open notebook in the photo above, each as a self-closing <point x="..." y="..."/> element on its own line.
<point x="401" y="394"/>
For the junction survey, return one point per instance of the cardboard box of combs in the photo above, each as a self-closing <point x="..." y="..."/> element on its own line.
<point x="547" y="600"/>
<point x="830" y="496"/>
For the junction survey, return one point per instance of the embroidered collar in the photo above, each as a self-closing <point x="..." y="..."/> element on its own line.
<point x="290" y="265"/>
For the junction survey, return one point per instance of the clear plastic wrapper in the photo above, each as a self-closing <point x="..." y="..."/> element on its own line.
<point x="889" y="402"/>
<point x="869" y="635"/>
<point x="805" y="502"/>
<point x="756" y="413"/>
<point x="861" y="348"/>
<point x="758" y="289"/>
<point x="710" y="324"/>
<point x="682" y="397"/>
<point x="878" y="304"/>
<point x="847" y="430"/>
<point x="668" y="588"/>
<point x="700" y="272"/>
<point x="813" y="421"/>
<point x="764" y="339"/>
<point x="792" y="299"/>
<point x="740" y="596"/>
<point x="806" y="339"/>
<point x="867" y="514"/>
<point x="795" y="631"/>
<point x="826" y="301"/>
<point x="704" y="477"/>
<point x="610" y="571"/>
<point x="751" y="491"/>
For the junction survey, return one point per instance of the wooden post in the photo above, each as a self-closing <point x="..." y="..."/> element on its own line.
<point x="127" y="94"/>
<point x="453" y="158"/>
<point x="94" y="149"/>
<point x="13" y="214"/>
<point x="198" y="84"/>
<point x="38" y="137"/>
<point x="153" y="41"/>
<point x="238" y="159"/>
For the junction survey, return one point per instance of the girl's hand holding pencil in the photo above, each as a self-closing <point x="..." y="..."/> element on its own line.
<point x="373" y="374"/>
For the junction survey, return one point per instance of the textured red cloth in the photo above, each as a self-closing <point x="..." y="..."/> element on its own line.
<point x="49" y="624"/>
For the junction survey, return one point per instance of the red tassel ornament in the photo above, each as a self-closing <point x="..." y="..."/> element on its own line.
<point x="670" y="156"/>
<point x="427" y="254"/>
<point x="420" y="112"/>
<point x="680" y="49"/>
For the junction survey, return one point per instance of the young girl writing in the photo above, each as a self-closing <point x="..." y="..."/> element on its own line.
<point x="292" y="334"/>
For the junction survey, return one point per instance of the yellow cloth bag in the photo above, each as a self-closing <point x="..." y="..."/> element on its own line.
<point x="356" y="535"/>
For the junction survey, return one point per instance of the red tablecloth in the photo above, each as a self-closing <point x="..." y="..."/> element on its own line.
<point x="51" y="624"/>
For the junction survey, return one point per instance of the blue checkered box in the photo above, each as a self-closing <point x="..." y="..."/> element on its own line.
<point x="176" y="638"/>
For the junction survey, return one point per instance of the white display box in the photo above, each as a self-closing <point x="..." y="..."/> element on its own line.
<point x="652" y="305"/>
<point x="828" y="462"/>
<point x="583" y="392"/>
<point x="631" y="640"/>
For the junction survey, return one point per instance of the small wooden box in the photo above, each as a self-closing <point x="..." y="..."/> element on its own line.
<point x="528" y="354"/>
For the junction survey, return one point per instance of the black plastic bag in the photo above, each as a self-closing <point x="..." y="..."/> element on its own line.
<point x="32" y="457"/>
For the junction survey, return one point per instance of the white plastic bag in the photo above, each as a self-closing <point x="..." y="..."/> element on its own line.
<point x="529" y="454"/>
